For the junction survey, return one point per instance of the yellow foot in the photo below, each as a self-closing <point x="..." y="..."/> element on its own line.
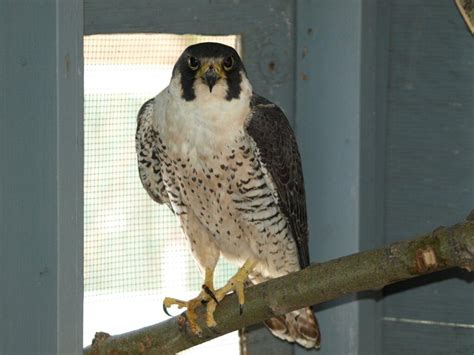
<point x="236" y="284"/>
<point x="205" y="296"/>
<point x="211" y="298"/>
<point x="191" y="306"/>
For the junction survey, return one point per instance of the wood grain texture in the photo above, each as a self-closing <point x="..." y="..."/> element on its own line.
<point x="430" y="160"/>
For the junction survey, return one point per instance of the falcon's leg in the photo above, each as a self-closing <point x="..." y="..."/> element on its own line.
<point x="204" y="296"/>
<point x="206" y="253"/>
<point x="236" y="283"/>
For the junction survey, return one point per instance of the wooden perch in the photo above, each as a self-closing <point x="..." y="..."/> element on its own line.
<point x="370" y="270"/>
<point x="466" y="8"/>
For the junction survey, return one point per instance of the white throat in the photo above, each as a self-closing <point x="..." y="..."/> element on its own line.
<point x="206" y="125"/>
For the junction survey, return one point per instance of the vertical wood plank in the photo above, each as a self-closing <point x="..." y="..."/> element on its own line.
<point x="41" y="174"/>
<point x="328" y="126"/>
<point x="429" y="170"/>
<point x="70" y="173"/>
<point x="373" y="97"/>
<point x="339" y="126"/>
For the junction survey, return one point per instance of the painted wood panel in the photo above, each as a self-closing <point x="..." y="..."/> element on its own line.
<point x="429" y="168"/>
<point x="339" y="133"/>
<point x="413" y="339"/>
<point x="41" y="177"/>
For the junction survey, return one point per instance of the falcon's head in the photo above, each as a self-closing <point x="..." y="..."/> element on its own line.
<point x="210" y="70"/>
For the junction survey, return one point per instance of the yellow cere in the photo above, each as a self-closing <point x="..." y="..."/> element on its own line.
<point x="206" y="63"/>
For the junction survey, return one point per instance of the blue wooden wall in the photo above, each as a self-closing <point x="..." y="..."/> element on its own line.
<point x="338" y="129"/>
<point x="385" y="120"/>
<point x="381" y="96"/>
<point x="40" y="177"/>
<point x="429" y="170"/>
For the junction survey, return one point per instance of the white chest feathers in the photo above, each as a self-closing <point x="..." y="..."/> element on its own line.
<point x="204" y="126"/>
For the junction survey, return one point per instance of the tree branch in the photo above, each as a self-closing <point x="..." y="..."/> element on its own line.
<point x="370" y="270"/>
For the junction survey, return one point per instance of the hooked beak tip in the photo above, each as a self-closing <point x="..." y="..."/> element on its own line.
<point x="210" y="77"/>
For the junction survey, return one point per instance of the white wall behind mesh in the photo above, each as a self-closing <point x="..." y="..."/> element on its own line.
<point x="134" y="252"/>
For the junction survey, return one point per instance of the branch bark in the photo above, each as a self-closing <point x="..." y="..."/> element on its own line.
<point x="370" y="270"/>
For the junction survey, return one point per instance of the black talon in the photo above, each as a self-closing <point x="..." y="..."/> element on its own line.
<point x="210" y="293"/>
<point x="241" y="309"/>
<point x="166" y="310"/>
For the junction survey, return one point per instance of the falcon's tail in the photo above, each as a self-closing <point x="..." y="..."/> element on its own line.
<point x="300" y="326"/>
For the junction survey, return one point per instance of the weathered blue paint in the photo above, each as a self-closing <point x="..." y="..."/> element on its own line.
<point x="338" y="130"/>
<point x="41" y="177"/>
<point x="429" y="170"/>
<point x="384" y="115"/>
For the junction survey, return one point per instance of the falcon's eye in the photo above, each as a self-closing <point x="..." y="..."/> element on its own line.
<point x="193" y="62"/>
<point x="228" y="63"/>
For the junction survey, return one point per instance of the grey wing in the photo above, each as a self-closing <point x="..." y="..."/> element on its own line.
<point x="277" y="149"/>
<point x="149" y="165"/>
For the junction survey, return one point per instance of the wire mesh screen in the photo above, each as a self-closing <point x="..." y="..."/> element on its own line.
<point x="135" y="253"/>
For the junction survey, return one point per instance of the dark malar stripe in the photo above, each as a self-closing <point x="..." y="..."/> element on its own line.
<point x="234" y="78"/>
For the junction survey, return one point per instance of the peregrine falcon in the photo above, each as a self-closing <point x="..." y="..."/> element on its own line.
<point x="226" y="162"/>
